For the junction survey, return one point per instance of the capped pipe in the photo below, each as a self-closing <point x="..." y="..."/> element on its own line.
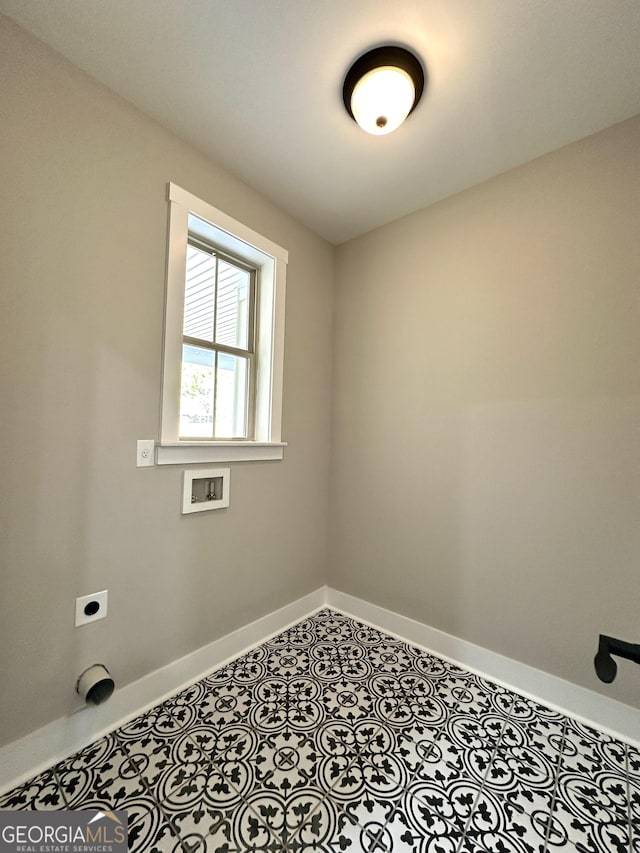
<point x="95" y="685"/>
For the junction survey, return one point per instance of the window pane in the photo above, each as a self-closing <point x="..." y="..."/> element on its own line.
<point x="231" y="397"/>
<point x="197" y="392"/>
<point x="232" y="321"/>
<point x="199" y="294"/>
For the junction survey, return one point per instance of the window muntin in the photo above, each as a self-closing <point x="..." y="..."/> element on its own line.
<point x="218" y="353"/>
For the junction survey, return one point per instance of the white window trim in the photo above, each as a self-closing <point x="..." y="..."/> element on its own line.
<point x="239" y="240"/>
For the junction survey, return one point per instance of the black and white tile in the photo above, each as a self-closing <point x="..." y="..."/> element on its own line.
<point x="334" y="736"/>
<point x="42" y="793"/>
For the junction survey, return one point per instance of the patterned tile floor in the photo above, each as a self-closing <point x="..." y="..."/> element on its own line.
<point x="336" y="737"/>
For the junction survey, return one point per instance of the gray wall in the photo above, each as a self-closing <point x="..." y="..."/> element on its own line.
<point x="485" y="465"/>
<point x="82" y="258"/>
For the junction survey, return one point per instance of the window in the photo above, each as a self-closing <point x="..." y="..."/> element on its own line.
<point x="218" y="346"/>
<point x="224" y="338"/>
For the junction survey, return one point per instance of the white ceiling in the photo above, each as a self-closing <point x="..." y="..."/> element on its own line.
<point x="257" y="85"/>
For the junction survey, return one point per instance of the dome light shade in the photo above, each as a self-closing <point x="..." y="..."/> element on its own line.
<point x="381" y="100"/>
<point x="382" y="88"/>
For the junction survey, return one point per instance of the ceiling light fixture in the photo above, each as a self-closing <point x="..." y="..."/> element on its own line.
<point x="382" y="88"/>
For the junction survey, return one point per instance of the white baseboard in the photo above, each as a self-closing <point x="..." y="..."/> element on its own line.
<point x="615" y="718"/>
<point x="39" y="750"/>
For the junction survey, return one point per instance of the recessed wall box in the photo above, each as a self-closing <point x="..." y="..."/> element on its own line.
<point x="205" y="489"/>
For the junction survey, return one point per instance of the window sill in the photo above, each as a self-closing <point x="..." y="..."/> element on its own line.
<point x="195" y="452"/>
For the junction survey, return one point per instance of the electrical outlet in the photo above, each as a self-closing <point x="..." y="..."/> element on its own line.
<point x="145" y="452"/>
<point x="90" y="608"/>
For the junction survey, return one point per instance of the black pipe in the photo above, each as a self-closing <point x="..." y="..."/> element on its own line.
<point x="605" y="665"/>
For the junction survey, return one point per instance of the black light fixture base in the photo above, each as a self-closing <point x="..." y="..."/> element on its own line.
<point x="397" y="57"/>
